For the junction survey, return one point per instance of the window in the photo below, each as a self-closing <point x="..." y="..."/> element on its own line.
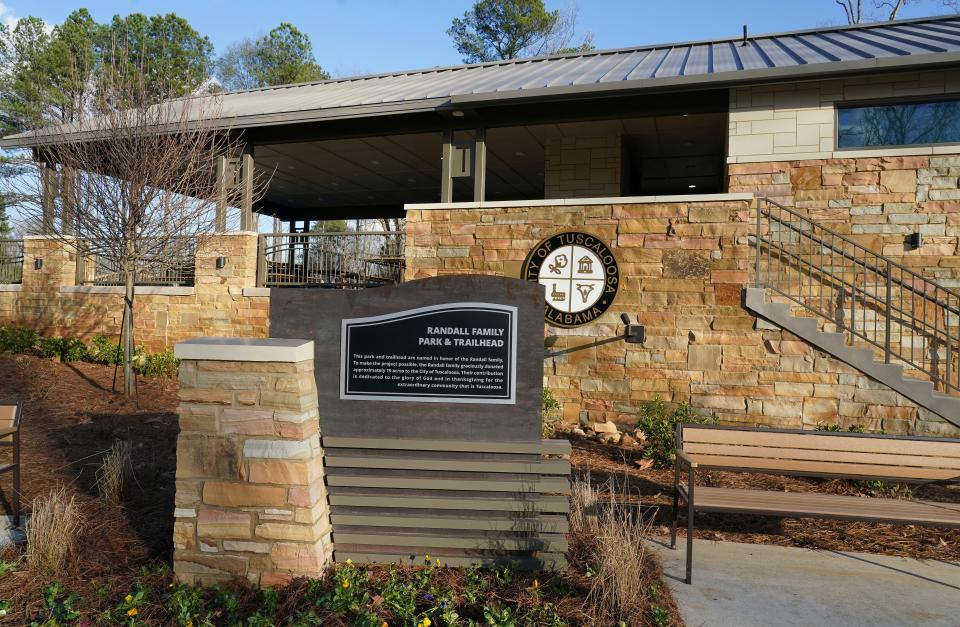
<point x="898" y="124"/>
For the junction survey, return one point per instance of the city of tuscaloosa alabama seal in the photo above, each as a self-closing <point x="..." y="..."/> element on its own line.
<point x="580" y="274"/>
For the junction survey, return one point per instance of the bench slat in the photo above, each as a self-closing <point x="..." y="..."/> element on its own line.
<point x="822" y="441"/>
<point x="839" y="469"/>
<point x="813" y="504"/>
<point x="805" y="454"/>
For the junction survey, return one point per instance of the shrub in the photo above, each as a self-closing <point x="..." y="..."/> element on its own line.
<point x="103" y="350"/>
<point x="156" y="364"/>
<point x="550" y="414"/>
<point x="115" y="472"/>
<point x="52" y="531"/>
<point x="821" y="426"/>
<point x="659" y="426"/>
<point x="17" y="340"/>
<point x="63" y="348"/>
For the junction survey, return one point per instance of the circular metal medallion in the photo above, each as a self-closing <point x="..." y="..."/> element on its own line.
<point x="580" y="273"/>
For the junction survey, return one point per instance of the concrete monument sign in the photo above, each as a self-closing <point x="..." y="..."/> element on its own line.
<point x="429" y="396"/>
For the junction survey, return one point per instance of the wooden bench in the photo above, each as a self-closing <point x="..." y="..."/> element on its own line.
<point x="10" y="414"/>
<point x="900" y="459"/>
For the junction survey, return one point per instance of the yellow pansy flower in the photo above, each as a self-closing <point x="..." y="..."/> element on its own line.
<point x="536" y="583"/>
<point x="349" y="561"/>
<point x="128" y="598"/>
<point x="132" y="611"/>
<point x="426" y="622"/>
<point x="346" y="584"/>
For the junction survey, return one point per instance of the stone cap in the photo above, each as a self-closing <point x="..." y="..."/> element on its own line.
<point x="244" y="349"/>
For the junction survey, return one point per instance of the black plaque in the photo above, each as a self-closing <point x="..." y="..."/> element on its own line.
<point x="452" y="353"/>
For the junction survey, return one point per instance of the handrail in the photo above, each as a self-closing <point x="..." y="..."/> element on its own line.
<point x="851" y="242"/>
<point x="803" y="267"/>
<point x="349" y="260"/>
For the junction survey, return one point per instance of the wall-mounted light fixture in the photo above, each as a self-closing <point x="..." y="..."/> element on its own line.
<point x="221" y="262"/>
<point x="633" y="333"/>
<point x="38" y="263"/>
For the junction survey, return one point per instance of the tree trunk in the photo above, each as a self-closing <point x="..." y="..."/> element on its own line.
<point x="129" y="377"/>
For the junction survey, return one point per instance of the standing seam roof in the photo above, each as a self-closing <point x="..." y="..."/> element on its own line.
<point x="920" y="42"/>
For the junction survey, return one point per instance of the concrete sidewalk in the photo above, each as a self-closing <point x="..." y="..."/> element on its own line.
<point x="742" y="585"/>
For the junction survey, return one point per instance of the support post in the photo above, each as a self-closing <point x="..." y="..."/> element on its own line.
<point x="68" y="200"/>
<point x="222" y="183"/>
<point x="446" y="182"/>
<point x="480" y="166"/>
<point x="48" y="180"/>
<point x="247" y="174"/>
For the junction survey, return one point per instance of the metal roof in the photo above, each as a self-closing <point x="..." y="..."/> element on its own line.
<point x="923" y="42"/>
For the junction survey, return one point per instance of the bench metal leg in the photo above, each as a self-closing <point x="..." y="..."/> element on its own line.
<point x="675" y="512"/>
<point x="689" y="578"/>
<point x="16" y="480"/>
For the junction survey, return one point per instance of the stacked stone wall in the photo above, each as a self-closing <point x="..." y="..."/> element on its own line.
<point x="683" y="267"/>
<point x="49" y="301"/>
<point x="250" y="498"/>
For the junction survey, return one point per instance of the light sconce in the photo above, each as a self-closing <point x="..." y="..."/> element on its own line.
<point x="38" y="263"/>
<point x="221" y="263"/>
<point x="915" y="240"/>
<point x="633" y="333"/>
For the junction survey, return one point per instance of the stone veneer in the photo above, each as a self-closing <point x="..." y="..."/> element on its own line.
<point x="683" y="266"/>
<point x="250" y="499"/>
<point x="583" y="166"/>
<point x="49" y="300"/>
<point x="797" y="120"/>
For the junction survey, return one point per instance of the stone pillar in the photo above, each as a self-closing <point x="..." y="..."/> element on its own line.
<point x="251" y="500"/>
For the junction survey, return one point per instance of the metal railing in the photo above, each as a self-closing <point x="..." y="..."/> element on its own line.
<point x="911" y="319"/>
<point x="11" y="261"/>
<point x="334" y="260"/>
<point x="161" y="264"/>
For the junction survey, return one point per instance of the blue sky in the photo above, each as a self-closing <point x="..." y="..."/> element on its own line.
<point x="360" y="36"/>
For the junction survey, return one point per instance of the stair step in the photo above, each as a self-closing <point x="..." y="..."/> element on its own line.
<point x="864" y="359"/>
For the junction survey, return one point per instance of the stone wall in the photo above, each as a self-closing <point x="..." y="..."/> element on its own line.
<point x="876" y="201"/>
<point x="583" y="166"/>
<point x="793" y="121"/>
<point x="250" y="499"/>
<point x="683" y="267"/>
<point x="50" y="301"/>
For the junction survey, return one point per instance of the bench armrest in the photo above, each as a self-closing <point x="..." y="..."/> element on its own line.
<point x="686" y="459"/>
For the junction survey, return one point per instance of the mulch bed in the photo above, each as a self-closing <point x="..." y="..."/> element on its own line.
<point x="653" y="490"/>
<point x="71" y="420"/>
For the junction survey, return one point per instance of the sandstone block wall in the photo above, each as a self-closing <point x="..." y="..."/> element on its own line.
<point x="795" y="121"/>
<point x="683" y="267"/>
<point x="876" y="201"/>
<point x="50" y="301"/>
<point x="583" y="167"/>
<point x="250" y="499"/>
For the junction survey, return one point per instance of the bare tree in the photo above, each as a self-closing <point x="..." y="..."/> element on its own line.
<point x="139" y="190"/>
<point x="888" y="10"/>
